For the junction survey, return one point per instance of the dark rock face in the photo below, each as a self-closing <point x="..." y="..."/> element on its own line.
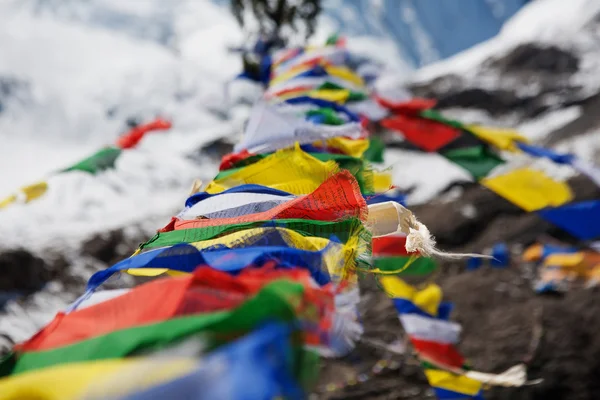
<point x="22" y="271"/>
<point x="530" y="57"/>
<point x="13" y="90"/>
<point x="546" y="69"/>
<point x="497" y="102"/>
<point x="111" y="247"/>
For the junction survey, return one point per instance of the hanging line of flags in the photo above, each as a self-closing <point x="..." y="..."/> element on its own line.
<point x="103" y="159"/>
<point x="477" y="149"/>
<point x="257" y="275"/>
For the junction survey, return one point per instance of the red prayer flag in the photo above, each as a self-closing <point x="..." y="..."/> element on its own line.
<point x="411" y="107"/>
<point x="230" y="160"/>
<point x="133" y="137"/>
<point x="393" y="245"/>
<point x="337" y="198"/>
<point x="426" y="134"/>
<point x="443" y="354"/>
<point x="205" y="291"/>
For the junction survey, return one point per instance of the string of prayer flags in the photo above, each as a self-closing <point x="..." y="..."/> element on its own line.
<point x="102" y="160"/>
<point x="263" y="261"/>
<point x="278" y="299"/>
<point x="424" y="318"/>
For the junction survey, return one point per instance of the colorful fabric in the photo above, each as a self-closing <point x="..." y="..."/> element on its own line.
<point x="186" y="258"/>
<point x="413" y="106"/>
<point x="342" y="230"/>
<point x="277" y="300"/>
<point x="503" y="139"/>
<point x="73" y="381"/>
<point x="434" y="115"/>
<point x="374" y="152"/>
<point x="581" y="220"/>
<point x="425" y="319"/>
<point x="204" y="291"/>
<point x="337" y="198"/>
<point x="134" y="136"/>
<point x="529" y="189"/>
<point x="235" y="371"/>
<point x="292" y="171"/>
<point x="267" y="130"/>
<point x="479" y="161"/>
<point x="425" y="134"/>
<point x="102" y="160"/>
<point x="26" y="193"/>
<point x="358" y="167"/>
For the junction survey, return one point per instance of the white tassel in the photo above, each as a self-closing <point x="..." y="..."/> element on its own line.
<point x="391" y="218"/>
<point x="512" y="377"/>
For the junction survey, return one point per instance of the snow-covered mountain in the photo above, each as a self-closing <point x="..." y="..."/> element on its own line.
<point x="424" y="31"/>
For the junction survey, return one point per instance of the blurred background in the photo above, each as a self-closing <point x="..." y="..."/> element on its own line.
<point x="76" y="75"/>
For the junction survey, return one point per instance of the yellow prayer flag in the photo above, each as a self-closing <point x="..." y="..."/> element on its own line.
<point x="290" y="170"/>
<point x="340" y="72"/>
<point x="453" y="382"/>
<point x="503" y="139"/>
<point x="74" y="380"/>
<point x="530" y="189"/>
<point x="287" y="75"/>
<point x="30" y="192"/>
<point x="568" y="260"/>
<point x="346" y="74"/>
<point x="351" y="147"/>
<point x="334" y="95"/>
<point x="8" y="201"/>
<point x="382" y="181"/>
<point x="533" y="253"/>
<point x="428" y="299"/>
<point x="35" y="190"/>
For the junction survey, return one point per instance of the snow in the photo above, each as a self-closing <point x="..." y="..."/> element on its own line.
<point x="586" y="147"/>
<point x="555" y="22"/>
<point x="538" y="128"/>
<point x="427" y="173"/>
<point x="82" y="81"/>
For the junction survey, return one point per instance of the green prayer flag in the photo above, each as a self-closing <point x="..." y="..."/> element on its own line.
<point x="332" y="39"/>
<point x="353" y="96"/>
<point x="436" y="116"/>
<point x="103" y="159"/>
<point x="478" y="160"/>
<point x="329" y="115"/>
<point x="375" y="151"/>
<point x="342" y="230"/>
